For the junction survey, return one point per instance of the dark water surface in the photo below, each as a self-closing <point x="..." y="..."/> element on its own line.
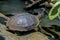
<point x="11" y="6"/>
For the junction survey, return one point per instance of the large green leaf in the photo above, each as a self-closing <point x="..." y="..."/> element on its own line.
<point x="54" y="12"/>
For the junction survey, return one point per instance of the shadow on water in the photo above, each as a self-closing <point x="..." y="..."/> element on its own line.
<point x="57" y="28"/>
<point x="21" y="33"/>
<point x="2" y="20"/>
<point x="2" y="38"/>
<point x="9" y="15"/>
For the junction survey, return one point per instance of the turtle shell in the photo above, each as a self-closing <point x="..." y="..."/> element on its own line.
<point x="22" y="22"/>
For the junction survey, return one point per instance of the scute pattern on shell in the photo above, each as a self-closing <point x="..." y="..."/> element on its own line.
<point x="23" y="21"/>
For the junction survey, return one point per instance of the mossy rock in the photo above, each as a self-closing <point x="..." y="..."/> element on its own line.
<point x="34" y="36"/>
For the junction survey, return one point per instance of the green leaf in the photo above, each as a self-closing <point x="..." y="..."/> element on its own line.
<point x="54" y="12"/>
<point x="53" y="0"/>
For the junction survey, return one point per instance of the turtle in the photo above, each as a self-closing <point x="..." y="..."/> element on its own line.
<point x="24" y="21"/>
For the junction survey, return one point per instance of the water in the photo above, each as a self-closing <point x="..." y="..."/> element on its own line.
<point x="12" y="6"/>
